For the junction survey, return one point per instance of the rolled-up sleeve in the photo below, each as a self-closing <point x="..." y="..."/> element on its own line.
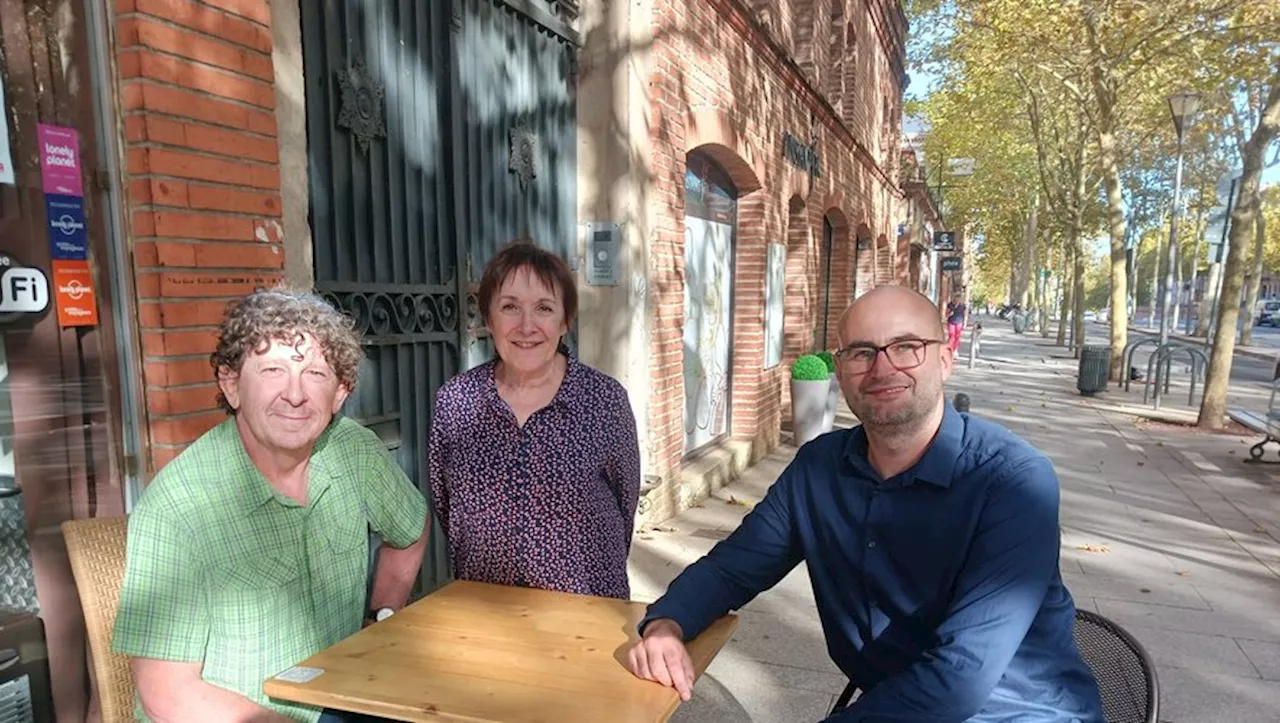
<point x="397" y="509"/>
<point x="1009" y="567"/>
<point x="163" y="613"/>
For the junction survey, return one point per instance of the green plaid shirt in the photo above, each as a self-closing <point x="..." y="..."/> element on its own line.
<point x="222" y="569"/>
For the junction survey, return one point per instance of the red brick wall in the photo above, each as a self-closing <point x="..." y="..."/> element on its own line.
<point x="197" y="100"/>
<point x="727" y="81"/>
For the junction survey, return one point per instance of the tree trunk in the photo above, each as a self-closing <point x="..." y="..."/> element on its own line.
<point x="1177" y="288"/>
<point x="1255" y="278"/>
<point x="1213" y="406"/>
<point x="1064" y="310"/>
<point x="1195" y="265"/>
<point x="1078" y="299"/>
<point x="1211" y="285"/>
<point x="1154" y="301"/>
<point x="1104" y="94"/>
<point x="1045" y="301"/>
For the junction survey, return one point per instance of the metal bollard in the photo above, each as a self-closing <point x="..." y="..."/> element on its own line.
<point x="975" y="339"/>
<point x="961" y="402"/>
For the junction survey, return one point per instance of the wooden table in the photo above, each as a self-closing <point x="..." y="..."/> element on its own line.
<point x="487" y="653"/>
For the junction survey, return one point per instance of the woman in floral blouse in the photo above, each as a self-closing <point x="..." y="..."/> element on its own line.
<point x="534" y="462"/>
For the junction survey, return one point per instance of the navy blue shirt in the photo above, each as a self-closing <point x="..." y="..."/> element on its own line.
<point x="938" y="589"/>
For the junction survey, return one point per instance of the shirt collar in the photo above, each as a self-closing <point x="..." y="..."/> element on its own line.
<point x="565" y="395"/>
<point x="255" y="491"/>
<point x="937" y="466"/>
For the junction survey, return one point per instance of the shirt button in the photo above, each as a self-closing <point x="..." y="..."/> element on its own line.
<point x="872" y="544"/>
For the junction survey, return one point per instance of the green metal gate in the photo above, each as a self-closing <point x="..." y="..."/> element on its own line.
<point x="437" y="131"/>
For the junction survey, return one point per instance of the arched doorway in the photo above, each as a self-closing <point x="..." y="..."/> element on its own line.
<point x="797" y="302"/>
<point x="710" y="222"/>
<point x="864" y="261"/>
<point x="884" y="261"/>
<point x="822" y="331"/>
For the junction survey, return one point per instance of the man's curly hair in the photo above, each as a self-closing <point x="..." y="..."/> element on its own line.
<point x="284" y="314"/>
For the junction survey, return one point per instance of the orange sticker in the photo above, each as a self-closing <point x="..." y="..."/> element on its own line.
<point x="73" y="290"/>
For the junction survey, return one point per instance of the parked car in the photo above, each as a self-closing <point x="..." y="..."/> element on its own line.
<point x="1268" y="313"/>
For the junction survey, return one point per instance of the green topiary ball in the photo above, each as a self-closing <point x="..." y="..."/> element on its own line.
<point x="809" y="368"/>
<point x="830" y="360"/>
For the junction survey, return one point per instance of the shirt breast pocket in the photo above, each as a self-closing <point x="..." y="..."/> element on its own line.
<point x="259" y="573"/>
<point x="347" y="540"/>
<point x="251" y="592"/>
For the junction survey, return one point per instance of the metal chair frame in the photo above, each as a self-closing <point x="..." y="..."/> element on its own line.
<point x="1092" y="618"/>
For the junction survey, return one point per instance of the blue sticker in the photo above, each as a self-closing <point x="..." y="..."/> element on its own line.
<point x="67" y="238"/>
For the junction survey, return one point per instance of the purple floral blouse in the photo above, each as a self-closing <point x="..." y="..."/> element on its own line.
<point x="549" y="505"/>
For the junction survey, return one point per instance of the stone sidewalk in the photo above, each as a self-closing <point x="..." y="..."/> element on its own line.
<point x="1165" y="531"/>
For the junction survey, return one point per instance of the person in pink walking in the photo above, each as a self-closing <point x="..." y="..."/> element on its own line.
<point x="956" y="312"/>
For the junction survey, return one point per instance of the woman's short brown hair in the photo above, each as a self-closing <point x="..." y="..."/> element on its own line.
<point x="546" y="266"/>
<point x="283" y="314"/>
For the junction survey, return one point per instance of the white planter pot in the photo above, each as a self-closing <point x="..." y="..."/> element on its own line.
<point x="809" y="408"/>
<point x="833" y="401"/>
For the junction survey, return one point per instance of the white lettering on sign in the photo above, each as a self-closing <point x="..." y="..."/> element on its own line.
<point x="66" y="224"/>
<point x="74" y="289"/>
<point x="23" y="290"/>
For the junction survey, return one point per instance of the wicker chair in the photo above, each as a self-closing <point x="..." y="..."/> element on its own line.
<point x="96" y="550"/>
<point x="1125" y="674"/>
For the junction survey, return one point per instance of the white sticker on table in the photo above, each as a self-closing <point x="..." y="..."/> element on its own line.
<point x="300" y="674"/>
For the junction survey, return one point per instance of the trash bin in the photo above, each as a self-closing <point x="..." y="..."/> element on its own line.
<point x="1095" y="362"/>
<point x="1019" y="323"/>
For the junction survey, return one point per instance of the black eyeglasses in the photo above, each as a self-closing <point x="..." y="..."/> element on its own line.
<point x="902" y="354"/>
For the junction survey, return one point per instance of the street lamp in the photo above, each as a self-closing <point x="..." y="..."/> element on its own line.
<point x="1182" y="106"/>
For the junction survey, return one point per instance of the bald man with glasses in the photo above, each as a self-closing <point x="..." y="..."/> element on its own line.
<point x="930" y="538"/>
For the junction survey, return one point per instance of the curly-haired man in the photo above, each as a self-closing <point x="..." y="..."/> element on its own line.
<point x="250" y="551"/>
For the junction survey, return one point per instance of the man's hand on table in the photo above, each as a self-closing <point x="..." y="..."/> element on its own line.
<point x="660" y="656"/>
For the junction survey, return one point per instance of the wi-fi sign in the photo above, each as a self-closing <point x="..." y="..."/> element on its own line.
<point x="23" y="289"/>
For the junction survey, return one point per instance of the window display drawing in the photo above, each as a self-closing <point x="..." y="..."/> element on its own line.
<point x="710" y="211"/>
<point x="775" y="278"/>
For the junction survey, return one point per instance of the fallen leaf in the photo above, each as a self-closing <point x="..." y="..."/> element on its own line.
<point x="735" y="501"/>
<point x="1094" y="548"/>
<point x="1010" y="408"/>
<point x="1043" y="404"/>
<point x="1159" y="444"/>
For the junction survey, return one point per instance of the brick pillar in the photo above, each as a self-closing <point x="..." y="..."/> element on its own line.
<point x="197" y="100"/>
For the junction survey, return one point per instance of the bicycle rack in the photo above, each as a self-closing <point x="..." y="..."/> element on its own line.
<point x="1162" y="358"/>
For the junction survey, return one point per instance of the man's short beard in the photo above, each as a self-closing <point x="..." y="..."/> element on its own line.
<point x="903" y="422"/>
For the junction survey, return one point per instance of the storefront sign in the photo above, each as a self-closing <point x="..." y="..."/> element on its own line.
<point x="67" y="239"/>
<point x="944" y="240"/>
<point x="804" y="156"/>
<point x="24" y="290"/>
<point x="951" y="263"/>
<point x="6" y="158"/>
<point x="60" y="160"/>
<point x="73" y="290"/>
